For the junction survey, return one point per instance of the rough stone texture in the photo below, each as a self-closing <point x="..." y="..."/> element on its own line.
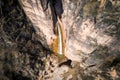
<point x="40" y="20"/>
<point x="93" y="41"/>
<point x="22" y="56"/>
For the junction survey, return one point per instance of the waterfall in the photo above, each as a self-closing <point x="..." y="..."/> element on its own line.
<point x="60" y="43"/>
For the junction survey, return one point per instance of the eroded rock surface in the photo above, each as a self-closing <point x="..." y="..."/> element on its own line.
<point x="92" y="41"/>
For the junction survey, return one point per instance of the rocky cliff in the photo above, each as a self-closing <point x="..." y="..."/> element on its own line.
<point x="91" y="36"/>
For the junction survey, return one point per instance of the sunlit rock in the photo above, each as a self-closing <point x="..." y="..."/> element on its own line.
<point x="91" y="34"/>
<point x="83" y="36"/>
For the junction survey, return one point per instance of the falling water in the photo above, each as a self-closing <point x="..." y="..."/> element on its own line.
<point x="60" y="48"/>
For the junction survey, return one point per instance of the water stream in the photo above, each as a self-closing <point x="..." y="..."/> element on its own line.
<point x="60" y="43"/>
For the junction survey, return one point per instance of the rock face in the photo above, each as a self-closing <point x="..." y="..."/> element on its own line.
<point x="41" y="21"/>
<point x="85" y="24"/>
<point x="84" y="36"/>
<point x="92" y="40"/>
<point x="22" y="55"/>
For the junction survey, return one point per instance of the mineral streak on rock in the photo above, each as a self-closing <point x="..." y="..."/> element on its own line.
<point x="55" y="45"/>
